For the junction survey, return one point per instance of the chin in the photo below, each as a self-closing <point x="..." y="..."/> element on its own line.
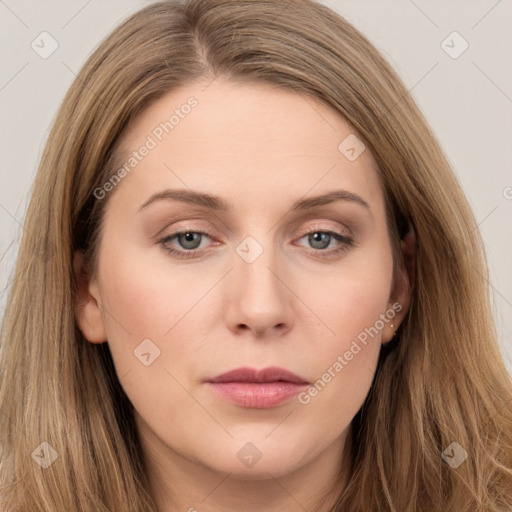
<point x="258" y="460"/>
<point x="260" y="471"/>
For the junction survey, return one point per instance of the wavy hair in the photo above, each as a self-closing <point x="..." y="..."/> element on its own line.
<point x="444" y="379"/>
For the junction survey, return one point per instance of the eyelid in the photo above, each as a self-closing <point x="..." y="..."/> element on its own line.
<point x="316" y="226"/>
<point x="320" y="226"/>
<point x="182" y="225"/>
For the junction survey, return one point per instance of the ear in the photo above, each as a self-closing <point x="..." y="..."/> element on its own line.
<point x="88" y="306"/>
<point x="400" y="298"/>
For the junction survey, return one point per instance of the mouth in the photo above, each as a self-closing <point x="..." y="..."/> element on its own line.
<point x="257" y="389"/>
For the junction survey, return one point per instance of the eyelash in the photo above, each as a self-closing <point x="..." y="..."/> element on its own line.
<point x="347" y="242"/>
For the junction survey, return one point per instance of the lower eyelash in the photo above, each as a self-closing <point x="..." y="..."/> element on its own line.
<point x="346" y="243"/>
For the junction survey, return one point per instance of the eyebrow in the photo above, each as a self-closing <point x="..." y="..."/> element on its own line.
<point x="216" y="203"/>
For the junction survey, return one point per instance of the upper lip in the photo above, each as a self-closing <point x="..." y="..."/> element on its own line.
<point x="269" y="374"/>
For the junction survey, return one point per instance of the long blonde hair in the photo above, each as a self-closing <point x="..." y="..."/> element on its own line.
<point x="443" y="382"/>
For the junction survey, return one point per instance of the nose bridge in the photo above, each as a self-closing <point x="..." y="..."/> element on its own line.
<point x="255" y="268"/>
<point x="258" y="298"/>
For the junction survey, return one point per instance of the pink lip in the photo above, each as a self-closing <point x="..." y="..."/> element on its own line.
<point x="257" y="389"/>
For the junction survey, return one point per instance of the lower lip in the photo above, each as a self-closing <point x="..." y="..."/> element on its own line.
<point x="257" y="395"/>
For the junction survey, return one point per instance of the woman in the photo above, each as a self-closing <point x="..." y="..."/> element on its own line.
<point x="249" y="280"/>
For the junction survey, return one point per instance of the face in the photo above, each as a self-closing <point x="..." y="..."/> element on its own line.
<point x="216" y="257"/>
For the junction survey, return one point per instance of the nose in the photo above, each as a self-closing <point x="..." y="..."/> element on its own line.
<point x="258" y="297"/>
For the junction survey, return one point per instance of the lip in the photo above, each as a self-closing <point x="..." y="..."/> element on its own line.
<point x="257" y="389"/>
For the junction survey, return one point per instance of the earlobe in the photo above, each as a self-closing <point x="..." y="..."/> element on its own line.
<point x="88" y="307"/>
<point x="401" y="296"/>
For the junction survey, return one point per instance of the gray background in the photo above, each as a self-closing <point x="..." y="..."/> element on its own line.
<point x="467" y="100"/>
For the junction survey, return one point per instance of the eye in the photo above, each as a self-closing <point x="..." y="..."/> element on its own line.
<point x="320" y="239"/>
<point x="189" y="242"/>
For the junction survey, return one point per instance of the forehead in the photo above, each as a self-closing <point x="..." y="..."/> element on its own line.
<point x="252" y="140"/>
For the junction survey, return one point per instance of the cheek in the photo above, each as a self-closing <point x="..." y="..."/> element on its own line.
<point x="350" y="298"/>
<point x="153" y="321"/>
<point x="142" y="301"/>
<point x="354" y="306"/>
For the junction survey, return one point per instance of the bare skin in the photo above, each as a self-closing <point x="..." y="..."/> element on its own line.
<point x="260" y="149"/>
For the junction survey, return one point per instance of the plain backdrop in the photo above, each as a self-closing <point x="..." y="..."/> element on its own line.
<point x="455" y="58"/>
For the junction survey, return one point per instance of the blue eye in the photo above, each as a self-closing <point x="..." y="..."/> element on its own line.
<point x="321" y="239"/>
<point x="190" y="240"/>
